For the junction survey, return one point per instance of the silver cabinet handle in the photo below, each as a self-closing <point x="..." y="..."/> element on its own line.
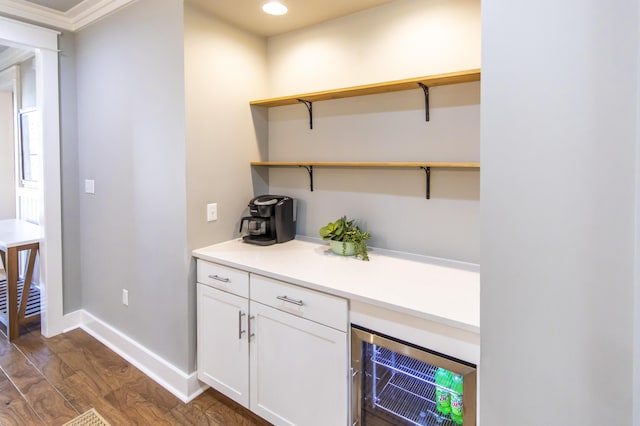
<point x="219" y="278"/>
<point x="250" y="333"/>
<point x="288" y="300"/>
<point x="240" y="330"/>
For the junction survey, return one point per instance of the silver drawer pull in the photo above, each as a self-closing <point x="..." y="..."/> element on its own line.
<point x="240" y="330"/>
<point x="250" y="333"/>
<point x="286" y="299"/>
<point x="219" y="278"/>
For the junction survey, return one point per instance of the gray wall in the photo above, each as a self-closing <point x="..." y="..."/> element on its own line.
<point x="224" y="68"/>
<point x="559" y="134"/>
<point x="389" y="203"/>
<point x="70" y="191"/>
<point x="131" y="127"/>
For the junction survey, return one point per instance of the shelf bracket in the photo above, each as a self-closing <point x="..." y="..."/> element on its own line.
<point x="309" y="106"/>
<point x="310" y="171"/>
<point x="427" y="171"/>
<point x="425" y="89"/>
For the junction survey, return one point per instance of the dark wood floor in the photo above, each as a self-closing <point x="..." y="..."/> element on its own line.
<point x="51" y="381"/>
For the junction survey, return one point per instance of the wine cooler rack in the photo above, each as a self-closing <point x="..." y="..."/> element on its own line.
<point x="405" y="387"/>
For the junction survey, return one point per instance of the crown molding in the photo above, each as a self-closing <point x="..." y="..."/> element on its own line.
<point x="36" y="13"/>
<point x="89" y="11"/>
<point x="78" y="17"/>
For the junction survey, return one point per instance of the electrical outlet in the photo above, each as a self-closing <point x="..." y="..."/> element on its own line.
<point x="212" y="212"/>
<point x="125" y="297"/>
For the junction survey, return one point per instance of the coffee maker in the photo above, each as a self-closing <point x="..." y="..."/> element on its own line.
<point x="272" y="220"/>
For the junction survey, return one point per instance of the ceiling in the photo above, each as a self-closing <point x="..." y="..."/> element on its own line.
<point x="72" y="15"/>
<point x="247" y="14"/>
<point x="59" y="5"/>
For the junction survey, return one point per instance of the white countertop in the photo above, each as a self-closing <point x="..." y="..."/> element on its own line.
<point x="430" y="288"/>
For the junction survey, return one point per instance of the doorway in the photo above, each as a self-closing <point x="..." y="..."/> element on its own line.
<point x="43" y="43"/>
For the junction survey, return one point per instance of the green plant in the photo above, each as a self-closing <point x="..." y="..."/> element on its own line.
<point x="348" y="232"/>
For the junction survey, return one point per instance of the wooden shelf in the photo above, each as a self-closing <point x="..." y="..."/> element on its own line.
<point x="457" y="165"/>
<point x="370" y="89"/>
<point x="426" y="166"/>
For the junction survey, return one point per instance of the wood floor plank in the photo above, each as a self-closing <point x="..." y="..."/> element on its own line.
<point x="225" y="411"/>
<point x="5" y="345"/>
<point x="205" y="400"/>
<point x="44" y="359"/>
<point x="221" y="414"/>
<point x="153" y="392"/>
<point x="137" y="408"/>
<point x="14" y="410"/>
<point x="83" y="393"/>
<point x="117" y="371"/>
<point x="43" y="398"/>
<point x="186" y="416"/>
<point x="50" y="380"/>
<point x="80" y="360"/>
<point x="48" y="403"/>
<point x="80" y="391"/>
<point x="81" y="351"/>
<point x="193" y="413"/>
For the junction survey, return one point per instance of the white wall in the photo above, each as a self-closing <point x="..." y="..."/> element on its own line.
<point x="28" y="84"/>
<point x="130" y="88"/>
<point x="403" y="39"/>
<point x="406" y="38"/>
<point x="559" y="135"/>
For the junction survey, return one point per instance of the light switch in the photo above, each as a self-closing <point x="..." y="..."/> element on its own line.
<point x="212" y="212"/>
<point x="89" y="186"/>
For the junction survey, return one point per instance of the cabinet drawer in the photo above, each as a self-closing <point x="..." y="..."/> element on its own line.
<point x="303" y="302"/>
<point x="224" y="278"/>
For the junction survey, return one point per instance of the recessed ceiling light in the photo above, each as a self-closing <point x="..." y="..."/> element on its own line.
<point x="274" y="8"/>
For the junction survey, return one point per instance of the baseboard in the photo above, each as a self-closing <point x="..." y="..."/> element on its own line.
<point x="183" y="385"/>
<point x="72" y="320"/>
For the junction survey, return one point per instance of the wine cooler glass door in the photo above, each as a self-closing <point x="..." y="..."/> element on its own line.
<point x="397" y="383"/>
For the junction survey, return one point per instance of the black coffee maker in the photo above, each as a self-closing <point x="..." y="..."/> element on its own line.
<point x="272" y="220"/>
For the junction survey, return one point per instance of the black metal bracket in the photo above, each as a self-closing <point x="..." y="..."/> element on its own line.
<point x="428" y="173"/>
<point x="310" y="171"/>
<point x="309" y="106"/>
<point x="425" y="89"/>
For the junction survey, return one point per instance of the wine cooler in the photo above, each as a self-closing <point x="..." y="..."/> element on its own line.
<point x="398" y="383"/>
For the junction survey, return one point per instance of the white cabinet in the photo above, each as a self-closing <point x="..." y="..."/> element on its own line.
<point x="280" y="351"/>
<point x="298" y="369"/>
<point x="223" y="349"/>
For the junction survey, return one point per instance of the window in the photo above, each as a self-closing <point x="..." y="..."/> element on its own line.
<point x="30" y="149"/>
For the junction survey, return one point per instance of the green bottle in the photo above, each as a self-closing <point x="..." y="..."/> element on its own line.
<point x="456" y="399"/>
<point x="443" y="398"/>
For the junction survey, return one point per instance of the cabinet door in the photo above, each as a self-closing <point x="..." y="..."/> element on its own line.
<point x="223" y="347"/>
<point x="298" y="369"/>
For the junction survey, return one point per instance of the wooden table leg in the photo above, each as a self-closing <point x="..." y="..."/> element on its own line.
<point x="12" y="292"/>
<point x="28" y="277"/>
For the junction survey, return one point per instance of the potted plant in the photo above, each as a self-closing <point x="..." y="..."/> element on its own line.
<point x="346" y="238"/>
